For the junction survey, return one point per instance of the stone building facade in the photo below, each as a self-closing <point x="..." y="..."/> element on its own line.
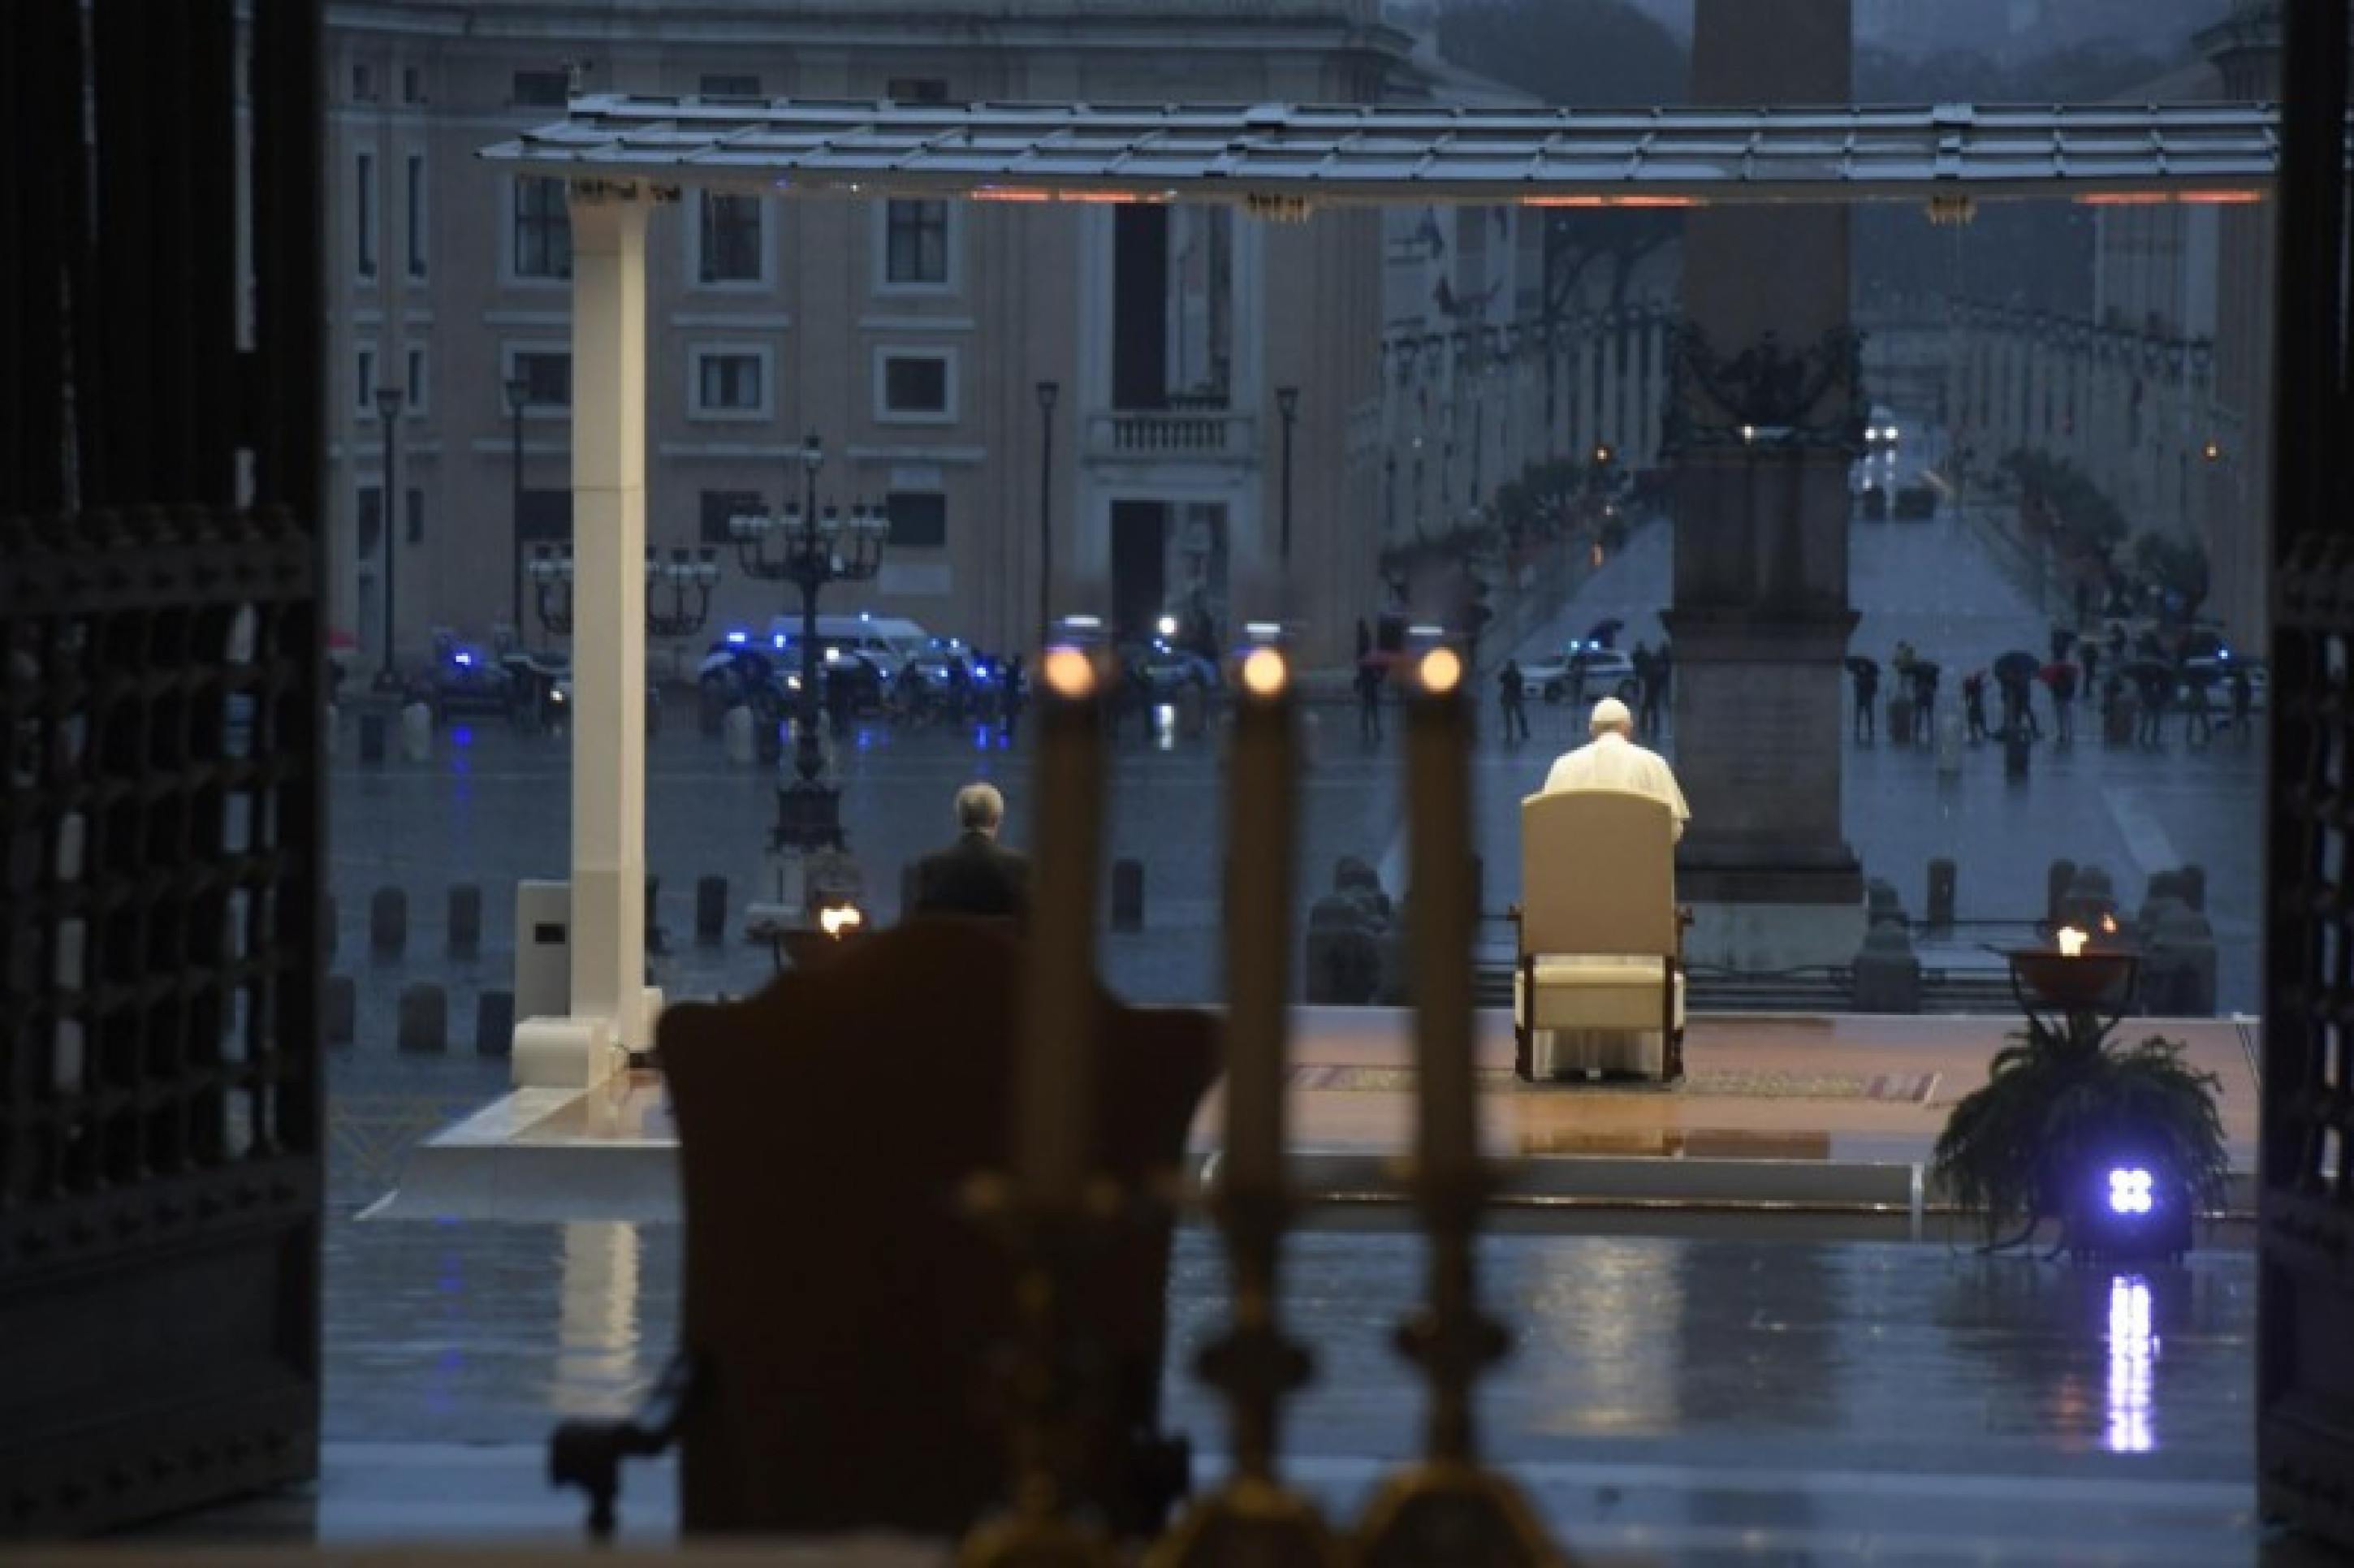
<point x="910" y="337"/>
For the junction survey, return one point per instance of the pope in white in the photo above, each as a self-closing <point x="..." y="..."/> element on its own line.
<point x="1612" y="760"/>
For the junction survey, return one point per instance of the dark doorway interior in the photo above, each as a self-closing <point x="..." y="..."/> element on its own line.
<point x="1139" y="564"/>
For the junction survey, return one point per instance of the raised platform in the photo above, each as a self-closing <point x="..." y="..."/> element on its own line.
<point x="1819" y="1125"/>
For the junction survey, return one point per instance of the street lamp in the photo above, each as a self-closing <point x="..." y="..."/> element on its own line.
<point x="1286" y="403"/>
<point x="387" y="407"/>
<point x="551" y="586"/>
<point x="690" y="577"/>
<point x="1049" y="391"/>
<point x="518" y="390"/>
<point x="815" y="548"/>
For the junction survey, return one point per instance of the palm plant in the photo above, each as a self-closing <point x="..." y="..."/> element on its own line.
<point x="2060" y="1097"/>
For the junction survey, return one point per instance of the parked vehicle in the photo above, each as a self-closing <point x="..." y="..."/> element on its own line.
<point x="1585" y="670"/>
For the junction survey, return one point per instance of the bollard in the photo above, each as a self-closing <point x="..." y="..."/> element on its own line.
<point x="711" y="909"/>
<point x="735" y="731"/>
<point x="416" y="732"/>
<point x="1880" y="903"/>
<point x="328" y="933"/>
<point x="1948" y="727"/>
<point x="424" y="1027"/>
<point x="1127" y="895"/>
<point x="339" y="1008"/>
<point x="371" y="735"/>
<point x="654" y="941"/>
<point x="388" y="922"/>
<point x="495" y="1024"/>
<point x="1941" y="887"/>
<point x="465" y="920"/>
<point x="1887" y="972"/>
<point x="2055" y="888"/>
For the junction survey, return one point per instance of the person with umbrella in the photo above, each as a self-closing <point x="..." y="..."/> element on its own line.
<point x="1867" y="688"/>
<point x="1654" y="689"/>
<point x="1924" y="700"/>
<point x="2059" y="676"/>
<point x="2243" y="702"/>
<point x="1514" y="694"/>
<point x="2012" y="673"/>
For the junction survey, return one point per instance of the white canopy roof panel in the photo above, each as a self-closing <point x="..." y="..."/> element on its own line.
<point x="1352" y="154"/>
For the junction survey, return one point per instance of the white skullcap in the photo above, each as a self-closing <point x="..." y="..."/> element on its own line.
<point x="1610" y="714"/>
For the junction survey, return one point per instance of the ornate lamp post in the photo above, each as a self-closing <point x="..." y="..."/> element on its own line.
<point x="689" y="577"/>
<point x="813" y="548"/>
<point x="387" y="407"/>
<point x="518" y="391"/>
<point x="1049" y="391"/>
<point x="1286" y="403"/>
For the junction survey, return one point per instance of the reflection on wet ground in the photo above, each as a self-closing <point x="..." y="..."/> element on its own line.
<point x="1705" y="1400"/>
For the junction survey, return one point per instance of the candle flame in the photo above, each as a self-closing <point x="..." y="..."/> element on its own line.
<point x="1442" y="672"/>
<point x="840" y="919"/>
<point x="2072" y="942"/>
<point x="1069" y="673"/>
<point x="1264" y="674"/>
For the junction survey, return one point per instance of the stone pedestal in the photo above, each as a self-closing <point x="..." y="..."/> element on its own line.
<point x="1766" y="415"/>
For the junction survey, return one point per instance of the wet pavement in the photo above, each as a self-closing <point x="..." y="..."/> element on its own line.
<point x="1688" y="1400"/>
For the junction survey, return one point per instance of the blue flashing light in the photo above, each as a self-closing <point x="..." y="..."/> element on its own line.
<point x="464" y="659"/>
<point x="736" y="638"/>
<point x="462" y="735"/>
<point x="863" y="615"/>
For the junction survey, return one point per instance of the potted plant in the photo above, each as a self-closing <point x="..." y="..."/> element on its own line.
<point x="2066" y="1109"/>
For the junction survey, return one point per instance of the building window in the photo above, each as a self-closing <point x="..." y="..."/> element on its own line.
<point x="543" y="229"/>
<point x="412" y="85"/>
<point x="416" y="499"/>
<point x="545" y="517"/>
<point x="415" y="192"/>
<point x="917" y="90"/>
<point x="540" y="88"/>
<point x="919" y="519"/>
<point x="417" y="383"/>
<point x="916" y="243"/>
<point x="368" y="533"/>
<point x="914" y="386"/>
<point x="729" y="86"/>
<point x="727" y="239"/>
<point x="728" y="383"/>
<point x="363" y="380"/>
<point x="362" y="83"/>
<point x="547" y="375"/>
<point x="719" y="506"/>
<point x="364" y="213"/>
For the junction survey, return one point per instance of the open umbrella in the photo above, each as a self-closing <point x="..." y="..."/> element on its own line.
<point x="1859" y="665"/>
<point x="1601" y="631"/>
<point x="2017" y="664"/>
<point x="2056" y="672"/>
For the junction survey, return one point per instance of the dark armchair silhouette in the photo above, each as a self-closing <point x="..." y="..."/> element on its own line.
<point x="840" y="1310"/>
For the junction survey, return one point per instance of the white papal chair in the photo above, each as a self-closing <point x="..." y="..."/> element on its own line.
<point x="1600" y="964"/>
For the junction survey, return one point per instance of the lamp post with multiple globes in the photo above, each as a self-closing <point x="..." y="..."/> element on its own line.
<point x="813" y="548"/>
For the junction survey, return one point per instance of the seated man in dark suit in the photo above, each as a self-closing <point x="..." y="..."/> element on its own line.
<point x="978" y="876"/>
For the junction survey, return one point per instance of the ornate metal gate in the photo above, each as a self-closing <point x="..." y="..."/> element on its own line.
<point x="2306" y="1374"/>
<point x="160" y="806"/>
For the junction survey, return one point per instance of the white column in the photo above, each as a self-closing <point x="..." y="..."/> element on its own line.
<point x="610" y="1005"/>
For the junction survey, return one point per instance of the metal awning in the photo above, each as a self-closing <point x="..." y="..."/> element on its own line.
<point x="1284" y="154"/>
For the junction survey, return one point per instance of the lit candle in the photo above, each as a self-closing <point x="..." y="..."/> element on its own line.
<point x="1261" y="814"/>
<point x="2072" y="942"/>
<point x="1439" y="914"/>
<point x="1054" y="1109"/>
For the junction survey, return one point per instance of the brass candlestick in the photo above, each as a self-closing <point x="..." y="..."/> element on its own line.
<point x="1252" y="1518"/>
<point x="1049" y="1379"/>
<point x="1448" y="1510"/>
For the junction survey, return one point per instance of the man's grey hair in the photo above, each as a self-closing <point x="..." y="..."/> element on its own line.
<point x="980" y="807"/>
